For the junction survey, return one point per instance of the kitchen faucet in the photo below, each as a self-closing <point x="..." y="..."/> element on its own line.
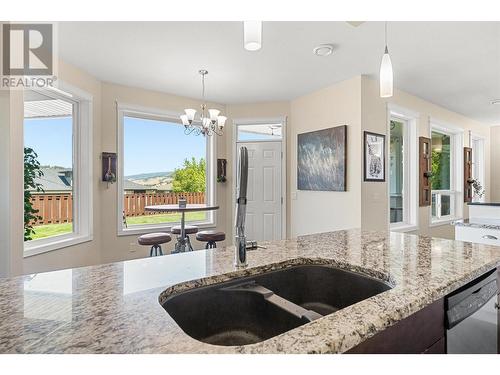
<point x="241" y="209"/>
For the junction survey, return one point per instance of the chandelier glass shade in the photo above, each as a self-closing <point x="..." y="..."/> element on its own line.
<point x="209" y="122"/>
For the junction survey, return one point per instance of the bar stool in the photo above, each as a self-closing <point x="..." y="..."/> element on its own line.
<point x="155" y="240"/>
<point x="211" y="237"/>
<point x="188" y="229"/>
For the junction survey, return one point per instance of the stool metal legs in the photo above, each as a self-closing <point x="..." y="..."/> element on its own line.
<point x="183" y="244"/>
<point x="156" y="249"/>
<point x="211" y="245"/>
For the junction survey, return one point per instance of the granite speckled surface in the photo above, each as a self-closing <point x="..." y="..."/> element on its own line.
<point x="476" y="224"/>
<point x="114" y="308"/>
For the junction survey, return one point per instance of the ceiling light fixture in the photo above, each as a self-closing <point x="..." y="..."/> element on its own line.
<point x="252" y="35"/>
<point x="323" y="50"/>
<point x="496" y="101"/>
<point x="386" y="74"/>
<point x="209" y="124"/>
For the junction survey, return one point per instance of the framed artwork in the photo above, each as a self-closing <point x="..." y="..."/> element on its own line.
<point x="322" y="159"/>
<point x="374" y="157"/>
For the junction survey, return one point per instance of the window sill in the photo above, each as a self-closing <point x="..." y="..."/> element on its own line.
<point x="438" y="223"/>
<point x="143" y="229"/>
<point x="36" y="248"/>
<point x="403" y="228"/>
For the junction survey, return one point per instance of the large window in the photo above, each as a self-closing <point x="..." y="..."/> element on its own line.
<point x="403" y="175"/>
<point x="445" y="174"/>
<point x="57" y="169"/>
<point x="159" y="165"/>
<point x="396" y="170"/>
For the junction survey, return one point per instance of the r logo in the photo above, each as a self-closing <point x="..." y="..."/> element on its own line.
<point x="27" y="49"/>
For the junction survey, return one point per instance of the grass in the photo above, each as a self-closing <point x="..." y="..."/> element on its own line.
<point x="49" y="230"/>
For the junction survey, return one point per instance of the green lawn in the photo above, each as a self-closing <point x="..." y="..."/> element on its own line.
<point x="49" y="230"/>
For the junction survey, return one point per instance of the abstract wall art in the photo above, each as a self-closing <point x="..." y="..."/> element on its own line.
<point x="322" y="160"/>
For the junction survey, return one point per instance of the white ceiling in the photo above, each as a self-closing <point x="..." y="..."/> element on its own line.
<point x="453" y="64"/>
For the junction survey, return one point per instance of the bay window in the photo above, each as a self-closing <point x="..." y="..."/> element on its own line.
<point x="57" y="168"/>
<point x="447" y="172"/>
<point x="403" y="174"/>
<point x="158" y="164"/>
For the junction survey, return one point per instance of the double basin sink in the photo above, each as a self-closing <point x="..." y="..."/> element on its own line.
<point x="255" y="308"/>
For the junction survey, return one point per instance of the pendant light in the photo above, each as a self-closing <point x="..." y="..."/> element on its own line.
<point x="386" y="74"/>
<point x="252" y="35"/>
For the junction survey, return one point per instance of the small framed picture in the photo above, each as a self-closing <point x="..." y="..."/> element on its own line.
<point x="374" y="158"/>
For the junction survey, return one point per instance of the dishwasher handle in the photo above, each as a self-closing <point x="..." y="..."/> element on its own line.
<point x="469" y="299"/>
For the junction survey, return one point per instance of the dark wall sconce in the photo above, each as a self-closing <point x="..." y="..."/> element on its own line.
<point x="221" y="170"/>
<point x="108" y="167"/>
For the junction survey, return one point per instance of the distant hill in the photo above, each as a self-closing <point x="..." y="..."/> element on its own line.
<point x="148" y="175"/>
<point x="153" y="180"/>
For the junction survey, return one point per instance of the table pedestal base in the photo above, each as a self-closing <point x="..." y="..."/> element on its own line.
<point x="182" y="245"/>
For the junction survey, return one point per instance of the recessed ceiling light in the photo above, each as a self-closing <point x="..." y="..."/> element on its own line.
<point x="323" y="50"/>
<point x="496" y="101"/>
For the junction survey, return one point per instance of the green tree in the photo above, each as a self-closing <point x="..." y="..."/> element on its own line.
<point x="190" y="178"/>
<point x="31" y="172"/>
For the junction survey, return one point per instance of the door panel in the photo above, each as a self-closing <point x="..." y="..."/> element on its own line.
<point x="263" y="220"/>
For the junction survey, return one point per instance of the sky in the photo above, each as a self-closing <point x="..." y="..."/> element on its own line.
<point x="51" y="138"/>
<point x="157" y="146"/>
<point x="150" y="146"/>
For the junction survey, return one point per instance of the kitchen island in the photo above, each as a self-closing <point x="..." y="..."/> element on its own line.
<point x="115" y="308"/>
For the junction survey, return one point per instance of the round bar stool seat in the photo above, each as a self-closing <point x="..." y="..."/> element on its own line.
<point x="189" y="229"/>
<point x="211" y="237"/>
<point x="154" y="240"/>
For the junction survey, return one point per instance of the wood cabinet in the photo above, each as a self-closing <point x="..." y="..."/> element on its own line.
<point x="422" y="332"/>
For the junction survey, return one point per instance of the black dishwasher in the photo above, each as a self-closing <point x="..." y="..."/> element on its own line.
<point x="472" y="317"/>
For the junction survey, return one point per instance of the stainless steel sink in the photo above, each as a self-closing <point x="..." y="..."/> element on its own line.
<point x="253" y="309"/>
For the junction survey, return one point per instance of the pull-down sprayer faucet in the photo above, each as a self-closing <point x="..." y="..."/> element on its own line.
<point x="241" y="208"/>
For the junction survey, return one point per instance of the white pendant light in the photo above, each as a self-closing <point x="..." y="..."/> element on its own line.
<point x="386" y="74"/>
<point x="252" y="35"/>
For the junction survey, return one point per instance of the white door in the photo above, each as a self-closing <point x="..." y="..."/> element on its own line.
<point x="263" y="219"/>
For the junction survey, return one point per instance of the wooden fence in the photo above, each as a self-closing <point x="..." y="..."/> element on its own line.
<point x="58" y="208"/>
<point x="53" y="208"/>
<point x="133" y="204"/>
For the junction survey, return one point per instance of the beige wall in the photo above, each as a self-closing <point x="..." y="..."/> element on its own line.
<point x="89" y="252"/>
<point x="374" y="110"/>
<point x="235" y="112"/>
<point x="319" y="211"/>
<point x="354" y="102"/>
<point x="495" y="164"/>
<point x="116" y="247"/>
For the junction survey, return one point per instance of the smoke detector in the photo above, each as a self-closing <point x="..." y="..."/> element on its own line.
<point x="323" y="50"/>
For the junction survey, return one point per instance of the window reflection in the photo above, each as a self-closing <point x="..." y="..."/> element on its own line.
<point x="49" y="296"/>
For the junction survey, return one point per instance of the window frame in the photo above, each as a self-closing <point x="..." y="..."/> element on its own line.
<point x="410" y="168"/>
<point x="129" y="110"/>
<point x="456" y="174"/>
<point x="478" y="161"/>
<point x="82" y="172"/>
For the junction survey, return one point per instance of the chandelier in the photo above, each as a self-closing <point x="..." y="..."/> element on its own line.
<point x="209" y="123"/>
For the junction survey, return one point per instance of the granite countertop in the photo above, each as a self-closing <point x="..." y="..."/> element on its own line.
<point x="476" y="223"/>
<point x="114" y="308"/>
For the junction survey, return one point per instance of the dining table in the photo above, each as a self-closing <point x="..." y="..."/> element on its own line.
<point x="182" y="244"/>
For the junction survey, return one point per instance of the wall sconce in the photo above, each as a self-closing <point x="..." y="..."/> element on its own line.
<point x="108" y="167"/>
<point x="221" y="170"/>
